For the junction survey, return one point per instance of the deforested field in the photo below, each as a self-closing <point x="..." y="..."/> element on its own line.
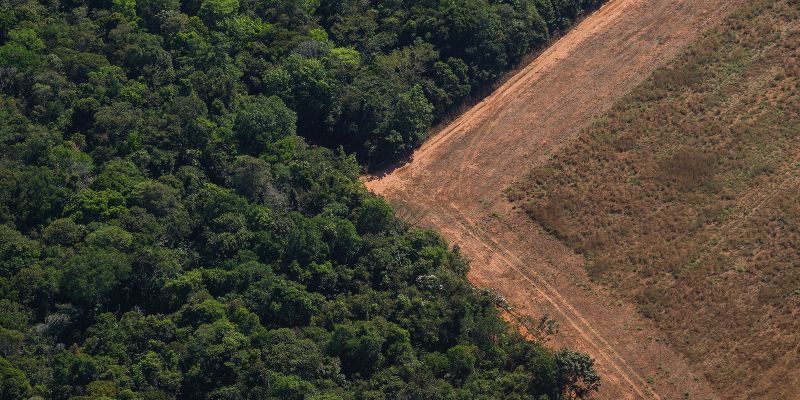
<point x="684" y="199"/>
<point x="456" y="183"/>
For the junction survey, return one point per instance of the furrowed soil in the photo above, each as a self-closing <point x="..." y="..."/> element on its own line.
<point x="456" y="184"/>
<point x="684" y="197"/>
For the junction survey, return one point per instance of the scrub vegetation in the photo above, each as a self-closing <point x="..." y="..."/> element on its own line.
<point x="684" y="198"/>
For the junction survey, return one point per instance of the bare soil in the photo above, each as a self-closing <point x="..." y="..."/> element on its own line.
<point x="455" y="183"/>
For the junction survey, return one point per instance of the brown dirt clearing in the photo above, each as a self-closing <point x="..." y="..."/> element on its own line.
<point x="456" y="180"/>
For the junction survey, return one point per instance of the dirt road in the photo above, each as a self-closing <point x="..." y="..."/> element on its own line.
<point x="455" y="184"/>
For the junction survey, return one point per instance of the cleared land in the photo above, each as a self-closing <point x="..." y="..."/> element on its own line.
<point x="456" y="181"/>
<point x="684" y="197"/>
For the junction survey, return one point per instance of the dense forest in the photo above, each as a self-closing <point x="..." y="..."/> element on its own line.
<point x="167" y="232"/>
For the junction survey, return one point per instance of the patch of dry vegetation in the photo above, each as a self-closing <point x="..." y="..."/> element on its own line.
<point x="684" y="197"/>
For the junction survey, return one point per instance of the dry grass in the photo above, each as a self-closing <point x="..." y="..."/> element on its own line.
<point x="684" y="197"/>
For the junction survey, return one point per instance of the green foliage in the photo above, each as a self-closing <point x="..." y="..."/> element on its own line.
<point x="151" y="11"/>
<point x="155" y="197"/>
<point x="346" y="57"/>
<point x="261" y="121"/>
<point x="125" y="7"/>
<point x="243" y="29"/>
<point x="91" y="205"/>
<point x="213" y="11"/>
<point x="13" y="383"/>
<point x="373" y="216"/>
<point x="365" y="346"/>
<point x="91" y="275"/>
<point x="577" y="372"/>
<point x="16" y="250"/>
<point x="408" y="127"/>
<point x="22" y="49"/>
<point x="166" y="234"/>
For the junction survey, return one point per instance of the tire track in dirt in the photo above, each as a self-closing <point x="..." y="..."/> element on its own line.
<point x="602" y="349"/>
<point x="489" y="107"/>
<point x="455" y="181"/>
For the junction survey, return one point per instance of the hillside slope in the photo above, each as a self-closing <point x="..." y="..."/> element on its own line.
<point x="455" y="184"/>
<point x="684" y="197"/>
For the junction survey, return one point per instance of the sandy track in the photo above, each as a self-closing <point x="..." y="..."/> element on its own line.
<point x="455" y="181"/>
